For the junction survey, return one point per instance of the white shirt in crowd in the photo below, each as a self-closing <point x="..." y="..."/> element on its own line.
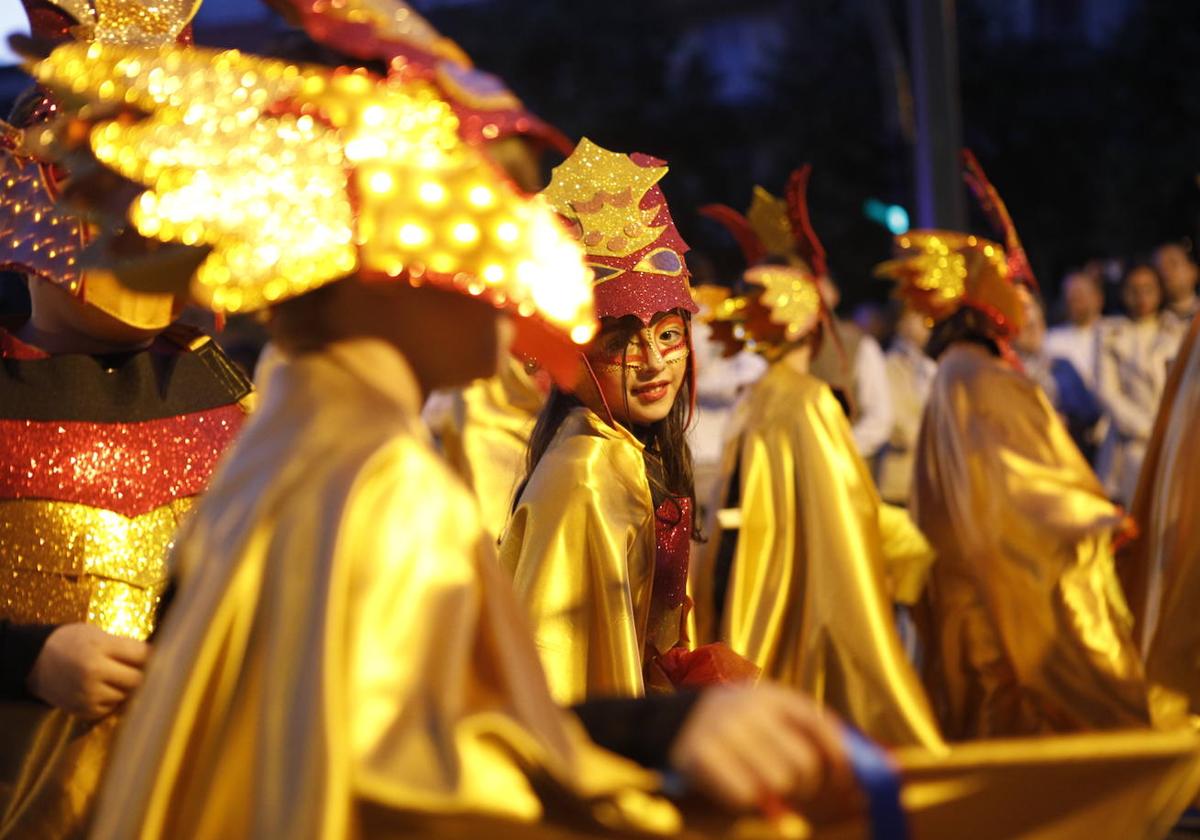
<point x="873" y="398"/>
<point x="1078" y="345"/>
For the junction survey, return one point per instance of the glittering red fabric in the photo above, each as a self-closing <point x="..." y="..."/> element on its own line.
<point x="129" y="468"/>
<point x="672" y="546"/>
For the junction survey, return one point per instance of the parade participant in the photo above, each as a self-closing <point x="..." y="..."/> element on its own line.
<point x="1029" y="632"/>
<point x="1160" y="569"/>
<point x="482" y="428"/>
<point x="303" y="684"/>
<point x="113" y="421"/>
<point x="600" y="535"/>
<point x="797" y="580"/>
<point x="1136" y="351"/>
<point x="851" y="361"/>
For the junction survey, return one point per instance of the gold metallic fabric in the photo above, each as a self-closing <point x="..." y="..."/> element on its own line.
<point x="344" y="640"/>
<point x="807" y="599"/>
<point x="907" y="555"/>
<point x="485" y="434"/>
<point x="1162" y="570"/>
<point x="580" y="550"/>
<point x="65" y="562"/>
<point x="1029" y="632"/>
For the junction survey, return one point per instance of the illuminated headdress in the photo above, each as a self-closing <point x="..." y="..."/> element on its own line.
<point x="392" y="32"/>
<point x="40" y="238"/>
<point x="291" y="177"/>
<point x="784" y="259"/>
<point x="939" y="272"/>
<point x="619" y="214"/>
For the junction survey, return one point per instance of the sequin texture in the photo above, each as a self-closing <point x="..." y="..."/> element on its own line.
<point x="62" y="562"/>
<point x="128" y="468"/>
<point x="621" y="217"/>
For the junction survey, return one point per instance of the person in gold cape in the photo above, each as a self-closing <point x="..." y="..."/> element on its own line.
<point x="599" y="540"/>
<point x="797" y="582"/>
<point x="1028" y="630"/>
<point x="1159" y="570"/>
<point x="342" y="658"/>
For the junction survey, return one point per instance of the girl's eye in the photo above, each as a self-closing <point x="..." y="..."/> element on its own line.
<point x="671" y="335"/>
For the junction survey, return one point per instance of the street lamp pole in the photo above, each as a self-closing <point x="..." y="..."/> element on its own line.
<point x="940" y="200"/>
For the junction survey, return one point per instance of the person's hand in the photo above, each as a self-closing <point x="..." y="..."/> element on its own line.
<point x="746" y="746"/>
<point x="86" y="671"/>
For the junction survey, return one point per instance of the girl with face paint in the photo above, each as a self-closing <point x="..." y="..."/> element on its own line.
<point x="599" y="539"/>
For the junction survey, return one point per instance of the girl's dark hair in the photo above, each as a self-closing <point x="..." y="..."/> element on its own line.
<point x="967" y="324"/>
<point x="667" y="454"/>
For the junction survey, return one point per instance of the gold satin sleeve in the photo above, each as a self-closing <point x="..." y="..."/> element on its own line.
<point x="1029" y="630"/>
<point x="806" y="598"/>
<point x="907" y="555"/>
<point x="1162" y="569"/>
<point x="580" y="551"/>
<point x="485" y="435"/>
<point x="355" y="648"/>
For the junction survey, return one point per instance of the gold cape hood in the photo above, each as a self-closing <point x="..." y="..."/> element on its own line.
<point x="484" y="433"/>
<point x="806" y="599"/>
<point x="1029" y="632"/>
<point x="343" y="649"/>
<point x="580" y="550"/>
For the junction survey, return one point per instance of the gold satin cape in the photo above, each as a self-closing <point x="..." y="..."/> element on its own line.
<point x="580" y="550"/>
<point x="1028" y="631"/>
<point x="1162" y="569"/>
<point x="485" y="435"/>
<point x="344" y="658"/>
<point x="806" y="599"/>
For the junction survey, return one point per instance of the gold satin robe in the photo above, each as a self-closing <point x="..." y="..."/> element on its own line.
<point x="484" y="433"/>
<point x="807" y="599"/>
<point x="580" y="550"/>
<point x="1162" y="569"/>
<point x="344" y="658"/>
<point x="1029" y="632"/>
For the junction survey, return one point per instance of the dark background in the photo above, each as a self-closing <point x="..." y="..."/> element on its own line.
<point x="1086" y="113"/>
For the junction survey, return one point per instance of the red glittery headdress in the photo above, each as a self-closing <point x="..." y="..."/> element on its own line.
<point x="393" y="32"/>
<point x="40" y="238"/>
<point x="617" y="210"/>
<point x="997" y="212"/>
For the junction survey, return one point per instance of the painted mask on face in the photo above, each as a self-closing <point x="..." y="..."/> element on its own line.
<point x="640" y="370"/>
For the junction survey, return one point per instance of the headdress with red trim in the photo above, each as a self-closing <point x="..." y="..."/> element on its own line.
<point x="41" y="239"/>
<point x="777" y="231"/>
<point x="939" y="272"/>
<point x="393" y="32"/>
<point x="997" y="212"/>
<point x="618" y="212"/>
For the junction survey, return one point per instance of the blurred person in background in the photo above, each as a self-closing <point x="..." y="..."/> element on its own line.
<point x="909" y="374"/>
<point x="1074" y="352"/>
<point x="1136" y="350"/>
<point x="858" y="376"/>
<point x="1180" y="276"/>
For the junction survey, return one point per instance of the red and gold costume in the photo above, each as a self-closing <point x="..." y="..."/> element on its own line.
<point x="1029" y="632"/>
<point x="103" y="455"/>
<point x="600" y="565"/>
<point x="342" y="658"/>
<point x="798" y="580"/>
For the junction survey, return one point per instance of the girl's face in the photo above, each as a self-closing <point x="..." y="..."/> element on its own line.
<point x="639" y="374"/>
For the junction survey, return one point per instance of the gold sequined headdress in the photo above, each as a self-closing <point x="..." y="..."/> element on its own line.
<point x="295" y="176"/>
<point x="939" y="272"/>
<point x="40" y="238"/>
<point x="619" y="214"/>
